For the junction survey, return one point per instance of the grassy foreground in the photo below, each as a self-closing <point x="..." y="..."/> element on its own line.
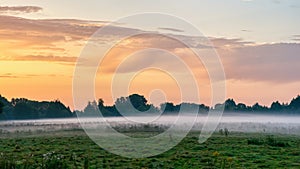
<point x="73" y="149"/>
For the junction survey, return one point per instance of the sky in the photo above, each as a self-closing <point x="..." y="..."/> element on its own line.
<point x="258" y="42"/>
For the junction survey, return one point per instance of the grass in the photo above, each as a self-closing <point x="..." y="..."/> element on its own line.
<point x="73" y="149"/>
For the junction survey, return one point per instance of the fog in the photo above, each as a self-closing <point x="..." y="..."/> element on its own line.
<point x="284" y="124"/>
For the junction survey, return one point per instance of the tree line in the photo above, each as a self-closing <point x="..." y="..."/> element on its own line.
<point x="22" y="108"/>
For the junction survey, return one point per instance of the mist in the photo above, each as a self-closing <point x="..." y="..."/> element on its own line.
<point x="234" y="122"/>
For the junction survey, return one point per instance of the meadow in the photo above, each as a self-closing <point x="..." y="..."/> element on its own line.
<point x="74" y="149"/>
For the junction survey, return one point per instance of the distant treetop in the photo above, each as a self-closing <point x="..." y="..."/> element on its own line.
<point x="22" y="108"/>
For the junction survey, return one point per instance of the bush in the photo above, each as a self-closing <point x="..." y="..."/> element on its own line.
<point x="255" y="141"/>
<point x="226" y="131"/>
<point x="269" y="140"/>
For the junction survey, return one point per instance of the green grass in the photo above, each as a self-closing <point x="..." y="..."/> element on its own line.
<point x="73" y="149"/>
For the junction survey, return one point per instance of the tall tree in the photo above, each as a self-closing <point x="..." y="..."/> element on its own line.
<point x="276" y="106"/>
<point x="1" y="107"/>
<point x="295" y="104"/>
<point x="241" y="107"/>
<point x="168" y="107"/>
<point x="258" y="108"/>
<point x="138" y="102"/>
<point x="91" y="109"/>
<point x="230" y="105"/>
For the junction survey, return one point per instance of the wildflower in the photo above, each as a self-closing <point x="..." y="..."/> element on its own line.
<point x="230" y="159"/>
<point x="216" y="154"/>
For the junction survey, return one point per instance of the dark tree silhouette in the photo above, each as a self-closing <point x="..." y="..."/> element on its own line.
<point x="295" y="104"/>
<point x="258" y="108"/>
<point x="22" y="108"/>
<point x="107" y="110"/>
<point x="100" y="103"/>
<point x="91" y="109"/>
<point x="139" y="102"/>
<point x="276" y="106"/>
<point x="167" y="107"/>
<point x="241" y="107"/>
<point x="230" y="105"/>
<point x="219" y="106"/>
<point x="1" y="107"/>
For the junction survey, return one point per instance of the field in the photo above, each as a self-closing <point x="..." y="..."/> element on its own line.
<point x="73" y="149"/>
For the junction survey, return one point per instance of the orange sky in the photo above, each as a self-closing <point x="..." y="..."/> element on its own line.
<point x="38" y="58"/>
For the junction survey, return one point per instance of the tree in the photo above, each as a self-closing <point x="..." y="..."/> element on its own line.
<point x="241" y="107"/>
<point x="24" y="109"/>
<point x="100" y="103"/>
<point x="258" y="108"/>
<point x="230" y="105"/>
<point x="167" y="107"/>
<point x="276" y="106"/>
<point x="226" y="132"/>
<point x="203" y="108"/>
<point x="1" y="107"/>
<point x="219" y="106"/>
<point x="295" y="104"/>
<point x="5" y="107"/>
<point x="91" y="109"/>
<point x="138" y="102"/>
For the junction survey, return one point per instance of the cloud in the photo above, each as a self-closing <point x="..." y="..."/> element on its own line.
<point x="228" y="42"/>
<point x="294" y="6"/>
<point x="19" y="9"/>
<point x="74" y="29"/>
<point x="276" y="63"/>
<point x="296" y="38"/>
<point x="48" y="31"/>
<point x="171" y="29"/>
<point x="246" y="30"/>
<point x="10" y="75"/>
<point x="49" y="58"/>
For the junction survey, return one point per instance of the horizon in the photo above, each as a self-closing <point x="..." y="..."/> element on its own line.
<point x="158" y="106"/>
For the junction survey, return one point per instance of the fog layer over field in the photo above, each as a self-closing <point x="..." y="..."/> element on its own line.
<point x="285" y="124"/>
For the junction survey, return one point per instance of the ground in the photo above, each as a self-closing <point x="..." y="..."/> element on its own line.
<point x="73" y="149"/>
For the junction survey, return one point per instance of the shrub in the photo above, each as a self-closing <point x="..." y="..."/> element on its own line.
<point x="269" y="140"/>
<point x="255" y="141"/>
<point x="226" y="132"/>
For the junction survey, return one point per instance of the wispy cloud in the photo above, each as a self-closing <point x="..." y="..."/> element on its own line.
<point x="8" y="75"/>
<point x="19" y="9"/>
<point x="48" y="31"/>
<point x="229" y="42"/>
<point x="49" y="58"/>
<point x="246" y="30"/>
<point x="172" y="29"/>
<point x="13" y="76"/>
